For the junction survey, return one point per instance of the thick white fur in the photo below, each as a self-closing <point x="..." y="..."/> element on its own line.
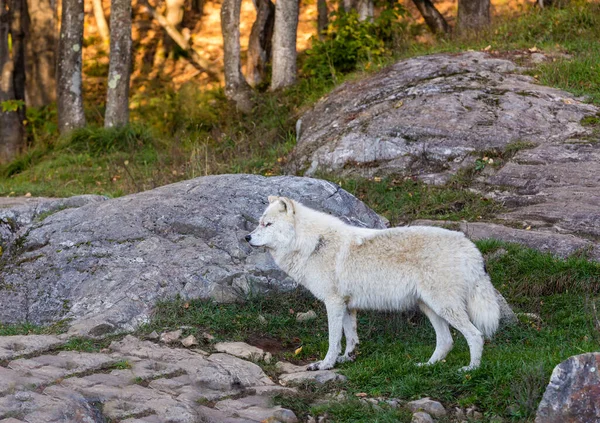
<point x="351" y="268"/>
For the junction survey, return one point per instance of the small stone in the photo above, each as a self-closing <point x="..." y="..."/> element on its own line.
<point x="22" y="396"/>
<point x="285" y="367"/>
<point x="460" y="414"/>
<point x="421" y="417"/>
<point x="311" y="419"/>
<point x="169" y="337"/>
<point x="189" y="341"/>
<point x="305" y="317"/>
<point x="434" y="408"/>
<point x="207" y="336"/>
<point x="473" y="414"/>
<point x="242" y="350"/>
<point x="538" y="58"/>
<point x="319" y="376"/>
<point x="153" y="335"/>
<point x="285" y="416"/>
<point x="262" y="320"/>
<point x="393" y="403"/>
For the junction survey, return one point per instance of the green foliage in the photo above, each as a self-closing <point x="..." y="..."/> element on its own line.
<point x="349" y="42"/>
<point x="11" y="105"/>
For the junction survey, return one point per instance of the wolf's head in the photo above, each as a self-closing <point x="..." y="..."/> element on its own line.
<point x="276" y="226"/>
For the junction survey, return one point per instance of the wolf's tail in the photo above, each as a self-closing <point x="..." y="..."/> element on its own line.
<point x="483" y="307"/>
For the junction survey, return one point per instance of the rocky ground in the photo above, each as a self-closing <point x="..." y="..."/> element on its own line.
<point x="135" y="381"/>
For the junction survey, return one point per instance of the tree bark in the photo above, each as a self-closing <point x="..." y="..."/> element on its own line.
<point x="473" y="16"/>
<point x="41" y="54"/>
<point x="119" y="67"/>
<point x="259" y="45"/>
<point x="18" y="27"/>
<point x="70" y="95"/>
<point x="363" y="7"/>
<point x="236" y="87"/>
<point x="101" y="20"/>
<point x="11" y="125"/>
<point x="433" y="18"/>
<point x="322" y="18"/>
<point x="284" y="44"/>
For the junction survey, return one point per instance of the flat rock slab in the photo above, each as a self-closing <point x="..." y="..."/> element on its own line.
<point x="104" y="263"/>
<point x="243" y="350"/>
<point x="296" y="375"/>
<point x="431" y="117"/>
<point x="22" y="345"/>
<point x="573" y="394"/>
<point x="138" y="381"/>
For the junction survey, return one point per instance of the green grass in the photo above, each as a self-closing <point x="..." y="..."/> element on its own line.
<point x="402" y="201"/>
<point x="516" y="364"/>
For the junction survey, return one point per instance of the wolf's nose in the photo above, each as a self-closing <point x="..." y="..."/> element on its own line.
<point x="248" y="238"/>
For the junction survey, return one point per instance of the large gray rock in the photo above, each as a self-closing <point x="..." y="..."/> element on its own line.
<point x="106" y="263"/>
<point x="573" y="394"/>
<point x="433" y="116"/>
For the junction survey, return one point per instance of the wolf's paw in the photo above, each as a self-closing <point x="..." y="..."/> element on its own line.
<point x="320" y="365"/>
<point x="467" y="368"/>
<point x="314" y="366"/>
<point x="423" y="364"/>
<point x="345" y="358"/>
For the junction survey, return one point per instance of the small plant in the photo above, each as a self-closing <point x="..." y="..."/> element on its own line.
<point x="12" y="105"/>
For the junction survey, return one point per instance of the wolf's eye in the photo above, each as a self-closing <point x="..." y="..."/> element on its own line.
<point x="268" y="224"/>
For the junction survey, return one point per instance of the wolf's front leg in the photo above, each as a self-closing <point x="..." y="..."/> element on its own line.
<point x="351" y="336"/>
<point x="335" y="318"/>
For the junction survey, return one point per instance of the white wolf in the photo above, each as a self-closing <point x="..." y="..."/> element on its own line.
<point x="350" y="268"/>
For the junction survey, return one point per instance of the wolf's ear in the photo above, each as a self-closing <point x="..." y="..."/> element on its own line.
<point x="288" y="205"/>
<point x="273" y="198"/>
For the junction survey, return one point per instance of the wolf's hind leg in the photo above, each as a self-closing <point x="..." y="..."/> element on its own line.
<point x="351" y="334"/>
<point x="443" y="337"/>
<point x="460" y="320"/>
<point x="335" y="318"/>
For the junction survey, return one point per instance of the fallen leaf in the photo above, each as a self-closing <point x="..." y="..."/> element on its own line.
<point x="533" y="49"/>
<point x="399" y="104"/>
<point x="488" y="48"/>
<point x="361" y="394"/>
<point x="297" y="350"/>
<point x="28" y="194"/>
<point x="377" y="179"/>
<point x="186" y="305"/>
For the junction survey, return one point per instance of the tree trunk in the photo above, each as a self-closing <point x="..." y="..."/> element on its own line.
<point x="18" y="27"/>
<point x="433" y="18"/>
<point x="363" y="7"/>
<point x="70" y="96"/>
<point x="119" y="68"/>
<point x="259" y="45"/>
<point x="284" y="44"/>
<point x="11" y="125"/>
<point x="101" y="20"/>
<point x="236" y="87"/>
<point x="473" y="16"/>
<point x="323" y="18"/>
<point x="41" y="54"/>
<point x="365" y="10"/>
